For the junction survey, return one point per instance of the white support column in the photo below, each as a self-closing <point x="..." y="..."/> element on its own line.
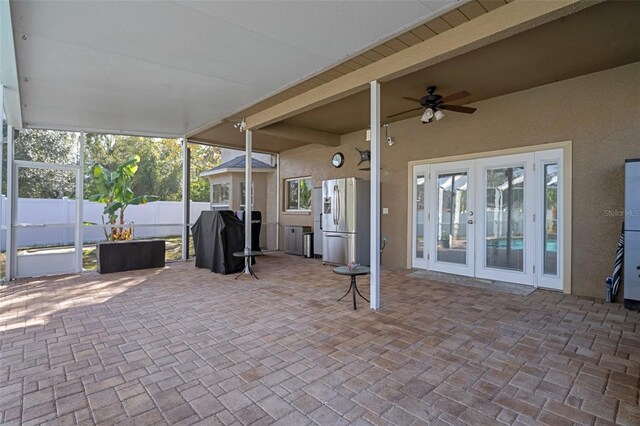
<point x="374" y="292"/>
<point x="278" y="204"/>
<point x="10" y="253"/>
<point x="247" y="189"/>
<point x="247" y="198"/>
<point x="80" y="203"/>
<point x="185" y="199"/>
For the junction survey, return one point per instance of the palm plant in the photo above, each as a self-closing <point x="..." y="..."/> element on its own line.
<point x="114" y="190"/>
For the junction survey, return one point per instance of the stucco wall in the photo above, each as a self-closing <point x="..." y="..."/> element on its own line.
<point x="599" y="113"/>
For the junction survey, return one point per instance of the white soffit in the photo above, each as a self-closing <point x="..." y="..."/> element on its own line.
<point x="169" y="67"/>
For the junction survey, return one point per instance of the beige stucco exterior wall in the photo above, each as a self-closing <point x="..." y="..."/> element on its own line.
<point x="599" y="113"/>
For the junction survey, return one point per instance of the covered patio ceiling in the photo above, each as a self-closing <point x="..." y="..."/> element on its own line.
<point x="168" y="68"/>
<point x="594" y="39"/>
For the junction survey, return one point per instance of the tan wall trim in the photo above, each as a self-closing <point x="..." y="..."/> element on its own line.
<point x="566" y="146"/>
<point x="506" y="21"/>
<point x="495" y="153"/>
<point x="566" y="217"/>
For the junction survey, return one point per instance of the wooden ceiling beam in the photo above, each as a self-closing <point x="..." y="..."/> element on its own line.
<point x="501" y="23"/>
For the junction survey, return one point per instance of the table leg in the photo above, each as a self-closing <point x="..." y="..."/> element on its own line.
<point x="247" y="268"/>
<point x="345" y="294"/>
<point x="353" y="290"/>
<point x="361" y="294"/>
<point x="251" y="271"/>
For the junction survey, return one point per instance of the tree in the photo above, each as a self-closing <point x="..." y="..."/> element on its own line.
<point x="46" y="146"/>
<point x="159" y="171"/>
<point x="160" y="168"/>
<point x="202" y="158"/>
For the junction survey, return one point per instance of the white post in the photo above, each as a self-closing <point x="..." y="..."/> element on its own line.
<point x="79" y="234"/>
<point x="185" y="199"/>
<point x="11" y="250"/>
<point x="247" y="197"/>
<point x="278" y="202"/>
<point x="374" y="292"/>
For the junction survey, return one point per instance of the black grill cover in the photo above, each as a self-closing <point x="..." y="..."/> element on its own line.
<point x="216" y="236"/>
<point x="256" y="226"/>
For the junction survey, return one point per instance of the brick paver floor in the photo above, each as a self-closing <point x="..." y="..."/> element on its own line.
<point x="182" y="345"/>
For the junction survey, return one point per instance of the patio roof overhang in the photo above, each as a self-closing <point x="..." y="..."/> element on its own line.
<point x="169" y="68"/>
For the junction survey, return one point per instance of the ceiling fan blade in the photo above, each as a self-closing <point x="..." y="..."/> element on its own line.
<point x="403" y="112"/>
<point x="455" y="96"/>
<point x="411" y="99"/>
<point x="458" y="108"/>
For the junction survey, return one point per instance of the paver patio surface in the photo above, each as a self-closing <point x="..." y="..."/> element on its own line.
<point x="182" y="345"/>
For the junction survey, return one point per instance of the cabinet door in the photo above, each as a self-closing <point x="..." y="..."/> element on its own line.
<point x="289" y="240"/>
<point x="299" y="242"/>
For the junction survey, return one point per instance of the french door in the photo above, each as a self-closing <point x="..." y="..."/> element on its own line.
<point x="451" y="217"/>
<point x="495" y="218"/>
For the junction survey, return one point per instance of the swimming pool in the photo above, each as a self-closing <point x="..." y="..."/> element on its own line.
<point x="517" y="244"/>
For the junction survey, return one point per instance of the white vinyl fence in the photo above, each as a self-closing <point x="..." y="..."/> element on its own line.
<point x="36" y="211"/>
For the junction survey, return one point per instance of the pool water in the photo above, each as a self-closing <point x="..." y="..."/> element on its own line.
<point x="518" y="244"/>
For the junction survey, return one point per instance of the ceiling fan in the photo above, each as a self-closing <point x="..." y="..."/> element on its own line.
<point x="434" y="103"/>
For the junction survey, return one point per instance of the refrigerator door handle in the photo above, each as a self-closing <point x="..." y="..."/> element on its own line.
<point x="335" y="206"/>
<point x="339" y="203"/>
<point x="321" y="221"/>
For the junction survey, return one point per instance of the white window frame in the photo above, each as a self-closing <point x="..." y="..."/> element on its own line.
<point x="220" y="206"/>
<point x="286" y="194"/>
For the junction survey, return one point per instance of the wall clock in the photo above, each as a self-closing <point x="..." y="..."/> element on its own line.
<point x="337" y="160"/>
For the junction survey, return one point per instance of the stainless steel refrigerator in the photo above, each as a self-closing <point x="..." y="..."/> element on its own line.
<point x="345" y="221"/>
<point x="632" y="234"/>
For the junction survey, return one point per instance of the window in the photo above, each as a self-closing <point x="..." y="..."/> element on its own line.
<point x="298" y="194"/>
<point x="242" y="195"/>
<point x="220" y="196"/>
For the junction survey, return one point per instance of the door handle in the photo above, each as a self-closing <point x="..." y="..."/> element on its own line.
<point x="336" y="201"/>
<point x="470" y="221"/>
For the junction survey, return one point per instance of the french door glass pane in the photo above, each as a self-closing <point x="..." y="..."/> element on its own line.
<point x="420" y="182"/>
<point x="452" y="218"/>
<point x="551" y="219"/>
<point x="505" y="220"/>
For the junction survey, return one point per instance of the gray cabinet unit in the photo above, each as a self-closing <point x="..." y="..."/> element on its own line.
<point x="632" y="234"/>
<point x="294" y="239"/>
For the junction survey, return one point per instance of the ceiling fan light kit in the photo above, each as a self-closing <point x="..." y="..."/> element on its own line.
<point x="434" y="104"/>
<point x="427" y="116"/>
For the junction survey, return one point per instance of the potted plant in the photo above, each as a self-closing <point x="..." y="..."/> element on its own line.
<point x="116" y="193"/>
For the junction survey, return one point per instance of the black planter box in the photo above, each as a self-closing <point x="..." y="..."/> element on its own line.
<point x="120" y="256"/>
